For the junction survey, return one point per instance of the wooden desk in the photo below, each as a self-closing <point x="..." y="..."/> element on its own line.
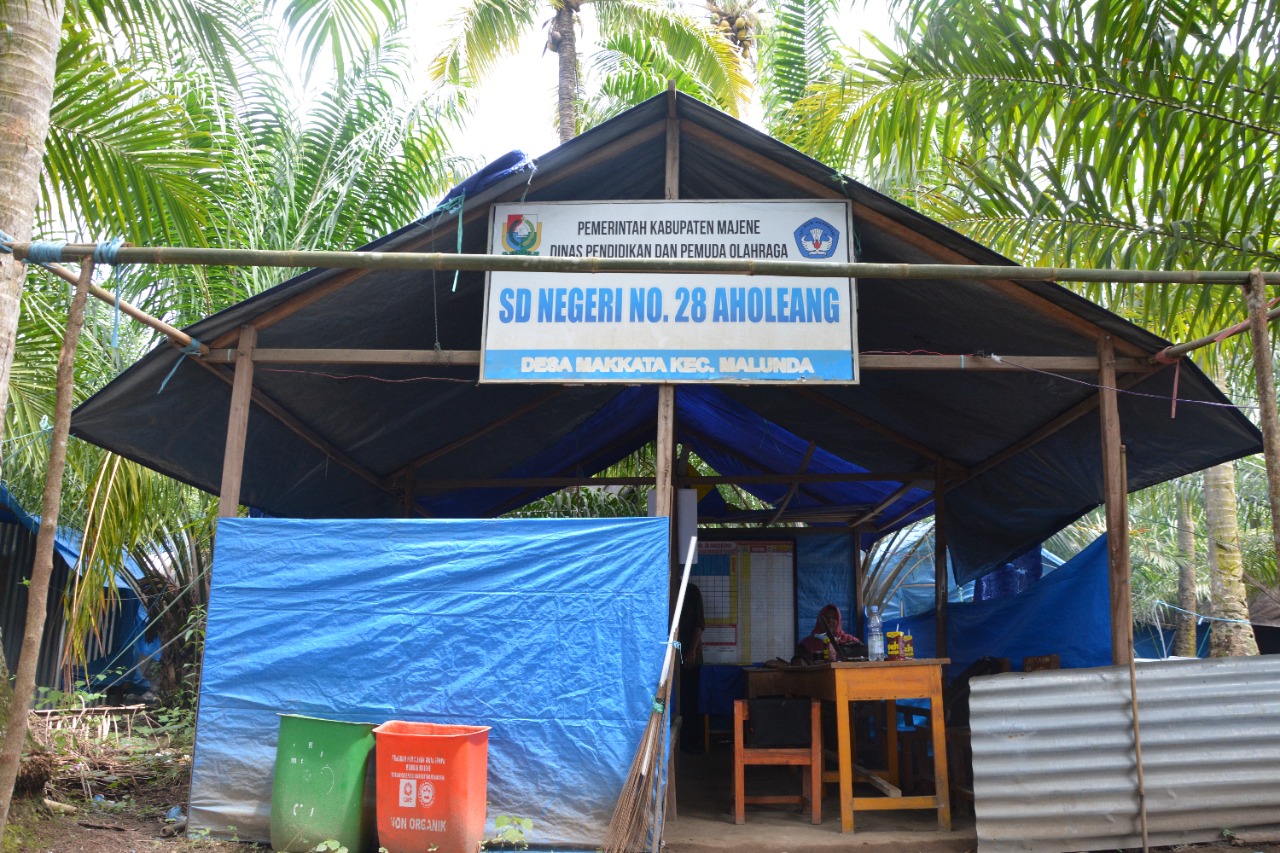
<point x="888" y="681"/>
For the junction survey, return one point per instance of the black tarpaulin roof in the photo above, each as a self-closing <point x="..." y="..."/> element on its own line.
<point x="1021" y="449"/>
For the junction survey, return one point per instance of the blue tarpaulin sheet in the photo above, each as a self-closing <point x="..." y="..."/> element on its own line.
<point x="824" y="575"/>
<point x="1068" y="613"/>
<point x="552" y="632"/>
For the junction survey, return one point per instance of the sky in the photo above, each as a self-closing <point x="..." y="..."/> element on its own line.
<point x="514" y="108"/>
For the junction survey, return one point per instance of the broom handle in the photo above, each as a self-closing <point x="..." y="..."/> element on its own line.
<point x="675" y="619"/>
<point x="663" y="693"/>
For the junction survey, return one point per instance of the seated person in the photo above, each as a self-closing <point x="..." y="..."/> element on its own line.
<point x="828" y="641"/>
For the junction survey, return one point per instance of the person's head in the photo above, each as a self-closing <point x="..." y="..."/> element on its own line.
<point x="829" y="618"/>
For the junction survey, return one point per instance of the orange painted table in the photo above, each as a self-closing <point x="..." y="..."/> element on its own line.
<point x="886" y="681"/>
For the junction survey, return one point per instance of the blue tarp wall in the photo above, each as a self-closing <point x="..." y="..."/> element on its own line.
<point x="550" y="631"/>
<point x="824" y="575"/>
<point x="1156" y="641"/>
<point x="1067" y="613"/>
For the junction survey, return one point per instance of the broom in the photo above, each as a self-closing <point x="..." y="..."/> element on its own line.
<point x="630" y="823"/>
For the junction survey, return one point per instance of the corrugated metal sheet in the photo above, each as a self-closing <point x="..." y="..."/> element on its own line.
<point x="17" y="553"/>
<point x="1054" y="766"/>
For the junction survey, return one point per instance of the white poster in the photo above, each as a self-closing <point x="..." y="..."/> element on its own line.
<point x="748" y="600"/>
<point x="659" y="327"/>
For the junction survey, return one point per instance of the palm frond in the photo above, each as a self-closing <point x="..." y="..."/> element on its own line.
<point x="480" y="34"/>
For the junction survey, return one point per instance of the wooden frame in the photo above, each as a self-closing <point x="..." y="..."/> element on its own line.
<point x="801" y="756"/>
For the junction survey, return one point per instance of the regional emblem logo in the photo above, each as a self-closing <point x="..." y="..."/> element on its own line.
<point x="817" y="239"/>
<point x="521" y="235"/>
<point x="427" y="793"/>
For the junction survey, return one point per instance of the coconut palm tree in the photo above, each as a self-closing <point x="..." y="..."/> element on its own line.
<point x="1121" y="133"/>
<point x="679" y="45"/>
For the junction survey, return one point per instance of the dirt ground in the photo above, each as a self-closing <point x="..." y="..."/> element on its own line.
<point x="138" y="829"/>
<point x="132" y="829"/>
<point x="120" y="780"/>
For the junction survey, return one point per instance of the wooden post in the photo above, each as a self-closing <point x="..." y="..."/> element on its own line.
<point x="672" y="175"/>
<point x="664" y="446"/>
<point x="858" y="565"/>
<point x="24" y="682"/>
<point x="664" y="449"/>
<point x="940" y="584"/>
<point x="1117" y="508"/>
<point x="1255" y="296"/>
<point x="237" y="424"/>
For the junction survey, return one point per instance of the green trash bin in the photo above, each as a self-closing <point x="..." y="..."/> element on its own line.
<point x="320" y="789"/>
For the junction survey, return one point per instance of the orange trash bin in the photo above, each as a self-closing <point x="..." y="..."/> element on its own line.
<point x="432" y="783"/>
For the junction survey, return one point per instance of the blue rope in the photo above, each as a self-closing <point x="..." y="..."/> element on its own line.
<point x="459" y="202"/>
<point x="192" y="348"/>
<point x="679" y="650"/>
<point x="46" y="252"/>
<point x="533" y="170"/>
<point x="106" y="253"/>
<point x="1203" y="617"/>
<point x="50" y="252"/>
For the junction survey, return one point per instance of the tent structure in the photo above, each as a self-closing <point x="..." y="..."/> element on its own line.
<point x="979" y="397"/>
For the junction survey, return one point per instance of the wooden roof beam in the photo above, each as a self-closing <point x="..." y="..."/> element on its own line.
<point x="783" y="479"/>
<point x="706" y="439"/>
<point x="411" y="469"/>
<point x="795" y="485"/>
<point x="302" y="431"/>
<point x="866" y="361"/>
<point x="625" y="440"/>
<point x="880" y="429"/>
<point x="1070" y="416"/>
<point x="884" y="504"/>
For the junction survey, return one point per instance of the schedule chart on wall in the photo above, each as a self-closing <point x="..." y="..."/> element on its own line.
<point x="748" y="600"/>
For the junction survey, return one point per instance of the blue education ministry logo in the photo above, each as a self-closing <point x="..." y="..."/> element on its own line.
<point x="817" y="239"/>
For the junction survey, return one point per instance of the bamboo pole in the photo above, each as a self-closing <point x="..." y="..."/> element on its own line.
<point x="42" y="563"/>
<point x="176" y="335"/>
<point x="1178" y="350"/>
<point x="1255" y="295"/>
<point x="532" y="263"/>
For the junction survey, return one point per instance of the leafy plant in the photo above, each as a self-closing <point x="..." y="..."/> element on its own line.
<point x="511" y="833"/>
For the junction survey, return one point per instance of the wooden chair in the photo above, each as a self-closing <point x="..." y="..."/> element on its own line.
<point x="800" y="756"/>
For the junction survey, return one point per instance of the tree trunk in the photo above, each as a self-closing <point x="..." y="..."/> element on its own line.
<point x="1234" y="636"/>
<point x="565" y="23"/>
<point x="28" y="56"/>
<point x="1184" y="640"/>
<point x="42" y="563"/>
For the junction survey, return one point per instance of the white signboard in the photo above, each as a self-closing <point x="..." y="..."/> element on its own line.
<point x="659" y="327"/>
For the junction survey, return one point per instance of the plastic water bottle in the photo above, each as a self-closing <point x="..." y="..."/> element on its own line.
<point x="875" y="635"/>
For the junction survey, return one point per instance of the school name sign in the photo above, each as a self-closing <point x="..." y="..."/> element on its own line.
<point x="664" y="327"/>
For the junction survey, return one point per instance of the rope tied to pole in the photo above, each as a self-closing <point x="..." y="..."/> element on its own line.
<point x="45" y="252"/>
<point x="106" y="251"/>
<point x="192" y="348"/>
